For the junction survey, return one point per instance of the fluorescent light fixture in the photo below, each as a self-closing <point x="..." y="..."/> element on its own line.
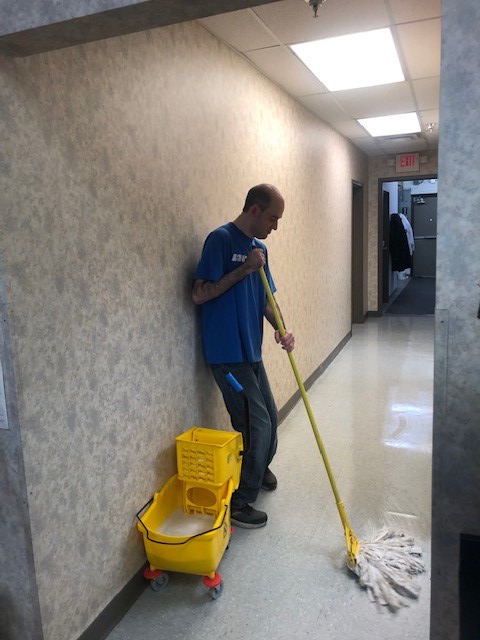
<point x="391" y="125"/>
<point x="358" y="60"/>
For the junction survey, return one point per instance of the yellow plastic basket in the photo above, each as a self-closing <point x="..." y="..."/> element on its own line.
<point x="209" y="456"/>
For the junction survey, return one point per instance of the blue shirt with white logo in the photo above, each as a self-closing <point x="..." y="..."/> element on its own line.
<point x="232" y="324"/>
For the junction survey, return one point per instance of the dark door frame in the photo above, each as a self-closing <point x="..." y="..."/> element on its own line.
<point x="385" y="246"/>
<point x="358" y="252"/>
<point x="380" y="253"/>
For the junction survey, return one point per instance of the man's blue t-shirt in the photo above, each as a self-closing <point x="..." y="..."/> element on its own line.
<point x="232" y="324"/>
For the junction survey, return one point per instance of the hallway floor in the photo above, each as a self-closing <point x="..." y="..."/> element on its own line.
<point x="288" y="580"/>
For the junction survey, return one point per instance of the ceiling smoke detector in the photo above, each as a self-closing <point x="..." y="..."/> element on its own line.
<point x="315" y="4"/>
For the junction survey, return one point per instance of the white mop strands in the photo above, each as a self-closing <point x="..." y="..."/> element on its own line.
<point x="386" y="565"/>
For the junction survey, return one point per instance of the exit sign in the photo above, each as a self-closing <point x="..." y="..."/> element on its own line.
<point x="407" y="162"/>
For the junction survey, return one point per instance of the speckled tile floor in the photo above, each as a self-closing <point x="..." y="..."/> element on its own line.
<point x="373" y="407"/>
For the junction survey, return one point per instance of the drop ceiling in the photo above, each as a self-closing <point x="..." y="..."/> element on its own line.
<point x="262" y="36"/>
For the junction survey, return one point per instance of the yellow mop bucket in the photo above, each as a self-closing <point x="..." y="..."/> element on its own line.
<point x="186" y="527"/>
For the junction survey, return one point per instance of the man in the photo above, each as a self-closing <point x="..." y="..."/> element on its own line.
<point x="229" y="288"/>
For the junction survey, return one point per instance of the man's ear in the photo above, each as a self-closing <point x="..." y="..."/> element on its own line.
<point x="255" y="210"/>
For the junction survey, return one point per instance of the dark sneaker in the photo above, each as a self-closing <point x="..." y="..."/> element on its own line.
<point x="248" y="518"/>
<point x="269" y="482"/>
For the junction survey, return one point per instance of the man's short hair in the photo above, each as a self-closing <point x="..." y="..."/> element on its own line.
<point x="260" y="195"/>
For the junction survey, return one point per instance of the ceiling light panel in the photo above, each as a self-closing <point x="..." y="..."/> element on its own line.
<point x="352" y="61"/>
<point x="398" y="124"/>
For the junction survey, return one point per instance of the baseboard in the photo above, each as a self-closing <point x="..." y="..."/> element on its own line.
<point x="288" y="406"/>
<point x="117" y="608"/>
<point x="374" y="314"/>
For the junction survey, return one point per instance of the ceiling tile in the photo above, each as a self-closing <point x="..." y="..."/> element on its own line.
<point x="420" y="43"/>
<point x="368" y="145"/>
<point x="325" y="107"/>
<point x="412" y="10"/>
<point x="240" y="29"/>
<point x="430" y="116"/>
<point x="383" y="100"/>
<point x="432" y="139"/>
<point x="351" y="129"/>
<point x="292" y="21"/>
<point x="286" y="70"/>
<point x="427" y="93"/>
<point x="396" y="145"/>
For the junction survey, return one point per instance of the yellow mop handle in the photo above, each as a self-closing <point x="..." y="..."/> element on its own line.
<point x="352" y="544"/>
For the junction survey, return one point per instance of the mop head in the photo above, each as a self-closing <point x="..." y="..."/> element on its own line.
<point x="385" y="566"/>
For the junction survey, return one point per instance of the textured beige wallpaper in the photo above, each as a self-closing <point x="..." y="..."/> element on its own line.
<point x="118" y="158"/>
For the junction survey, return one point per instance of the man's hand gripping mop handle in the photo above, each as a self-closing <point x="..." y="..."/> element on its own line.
<point x="352" y="542"/>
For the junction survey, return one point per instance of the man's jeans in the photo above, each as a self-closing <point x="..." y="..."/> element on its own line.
<point x="263" y="423"/>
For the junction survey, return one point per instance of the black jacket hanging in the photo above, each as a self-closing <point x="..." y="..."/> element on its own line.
<point x="399" y="250"/>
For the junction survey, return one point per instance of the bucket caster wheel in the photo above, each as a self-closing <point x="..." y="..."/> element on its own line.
<point x="215" y="585"/>
<point x="216" y="592"/>
<point x="158" y="578"/>
<point x="158" y="584"/>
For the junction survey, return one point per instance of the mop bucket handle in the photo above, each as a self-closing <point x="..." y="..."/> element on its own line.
<point x="238" y="387"/>
<point x="187" y="540"/>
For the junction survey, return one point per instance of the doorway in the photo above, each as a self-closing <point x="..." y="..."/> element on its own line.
<point x="385" y="244"/>
<point x="412" y="290"/>
<point x="358" y="239"/>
